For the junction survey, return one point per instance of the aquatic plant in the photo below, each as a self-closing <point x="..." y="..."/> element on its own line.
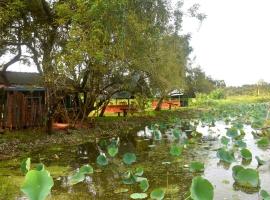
<point x="246" y="154"/>
<point x="201" y="189"/>
<point x="102" y="160"/>
<point x="176" y="150"/>
<point x="157" y="194"/>
<point x="265" y="195"/>
<point x="225" y="155"/>
<point x="196" y="167"/>
<point x="129" y="158"/>
<point x="37" y="183"/>
<point x="246" y="177"/>
<point x="79" y="176"/>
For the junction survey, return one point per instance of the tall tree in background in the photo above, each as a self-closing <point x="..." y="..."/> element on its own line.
<point x="95" y="48"/>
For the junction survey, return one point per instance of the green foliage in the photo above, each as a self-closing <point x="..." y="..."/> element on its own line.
<point x="225" y="141"/>
<point x="157" y="194"/>
<point x="225" y="155"/>
<point x="217" y="94"/>
<point x="265" y="195"/>
<point x="201" y="189"/>
<point x="144" y="185"/>
<point x="263" y="142"/>
<point x="240" y="144"/>
<point x="129" y="158"/>
<point x="80" y="175"/>
<point x="246" y="177"/>
<point x="246" y="154"/>
<point x="25" y="165"/>
<point x="176" y="150"/>
<point x="139" y="171"/>
<point x="232" y="132"/>
<point x="37" y="184"/>
<point x="102" y="160"/>
<point x="112" y="150"/>
<point x="196" y="167"/>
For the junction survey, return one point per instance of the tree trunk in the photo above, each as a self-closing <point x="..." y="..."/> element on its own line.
<point x="158" y="107"/>
<point x="101" y="114"/>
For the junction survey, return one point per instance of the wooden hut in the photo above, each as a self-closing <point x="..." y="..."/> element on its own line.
<point x="22" y="100"/>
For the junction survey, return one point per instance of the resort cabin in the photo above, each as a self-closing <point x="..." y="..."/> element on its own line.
<point x="22" y="100"/>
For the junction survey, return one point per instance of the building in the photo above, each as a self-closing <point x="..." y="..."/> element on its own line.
<point x="22" y="100"/>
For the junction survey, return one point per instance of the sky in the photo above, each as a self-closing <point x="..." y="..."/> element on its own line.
<point x="232" y="44"/>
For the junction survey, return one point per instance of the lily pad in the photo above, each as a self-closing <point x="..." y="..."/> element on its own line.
<point x="246" y="154"/>
<point x="157" y="194"/>
<point x="37" y="184"/>
<point x="176" y="133"/>
<point x="225" y="156"/>
<point x="176" y="150"/>
<point x="129" y="158"/>
<point x="232" y="132"/>
<point x="246" y="177"/>
<point x="201" y="189"/>
<point x="196" y="167"/>
<point x="139" y="171"/>
<point x="102" y="160"/>
<point x="80" y="175"/>
<point x="240" y="144"/>
<point x="265" y="195"/>
<point x="144" y="185"/>
<point x="112" y="150"/>
<point x="138" y="196"/>
<point x="263" y="142"/>
<point x="225" y="141"/>
<point x="25" y="165"/>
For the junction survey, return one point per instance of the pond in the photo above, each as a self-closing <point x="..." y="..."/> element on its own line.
<point x="161" y="169"/>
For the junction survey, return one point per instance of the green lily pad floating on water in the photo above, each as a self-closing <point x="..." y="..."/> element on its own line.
<point x="201" y="189"/>
<point x="37" y="184"/>
<point x="196" y="167"/>
<point x="246" y="154"/>
<point x="176" y="150"/>
<point x="224" y="140"/>
<point x="139" y="171"/>
<point x="80" y="175"/>
<point x="144" y="185"/>
<point x="25" y="165"/>
<point x="240" y="144"/>
<point x="112" y="150"/>
<point x="40" y="167"/>
<point x="225" y="155"/>
<point x="102" y="160"/>
<point x="232" y="132"/>
<point x="138" y="196"/>
<point x="260" y="161"/>
<point x="129" y="158"/>
<point x="177" y="133"/>
<point x="265" y="195"/>
<point x="263" y="142"/>
<point x="157" y="194"/>
<point x="246" y="177"/>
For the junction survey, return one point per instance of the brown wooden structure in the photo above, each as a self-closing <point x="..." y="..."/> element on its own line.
<point x="22" y="100"/>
